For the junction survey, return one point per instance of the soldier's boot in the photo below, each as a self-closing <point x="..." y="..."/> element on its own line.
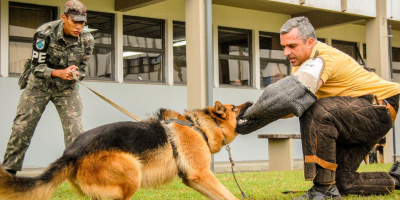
<point x="395" y="174"/>
<point x="320" y="192"/>
<point x="309" y="73"/>
<point x="11" y="171"/>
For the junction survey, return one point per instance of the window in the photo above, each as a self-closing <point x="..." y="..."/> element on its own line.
<point x="25" y="19"/>
<point x="101" y="26"/>
<point x="396" y="64"/>
<point x="143" y="49"/>
<point x="180" y="75"/>
<point x="349" y="48"/>
<point x="396" y="54"/>
<point x="365" y="51"/>
<point x="234" y="49"/>
<point x="321" y="40"/>
<point x="273" y="63"/>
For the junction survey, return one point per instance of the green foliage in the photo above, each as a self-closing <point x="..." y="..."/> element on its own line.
<point x="257" y="185"/>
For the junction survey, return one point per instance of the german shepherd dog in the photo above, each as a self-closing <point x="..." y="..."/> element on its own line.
<point x="372" y="156"/>
<point x="113" y="161"/>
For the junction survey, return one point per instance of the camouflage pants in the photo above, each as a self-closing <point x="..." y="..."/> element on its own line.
<point x="30" y="109"/>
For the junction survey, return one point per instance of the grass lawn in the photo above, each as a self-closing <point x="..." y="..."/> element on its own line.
<point x="257" y="185"/>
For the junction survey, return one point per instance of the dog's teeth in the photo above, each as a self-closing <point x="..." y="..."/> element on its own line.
<point x="242" y="120"/>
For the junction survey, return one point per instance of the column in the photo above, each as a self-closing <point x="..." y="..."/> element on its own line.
<point x="378" y="57"/>
<point x="196" y="53"/>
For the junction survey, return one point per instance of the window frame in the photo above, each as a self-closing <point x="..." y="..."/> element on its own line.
<point x="248" y="58"/>
<point x="286" y="61"/>
<point x="53" y="15"/>
<point x="161" y="51"/>
<point x="397" y="71"/>
<point x="359" y="59"/>
<point x="179" y="52"/>
<point x="106" y="46"/>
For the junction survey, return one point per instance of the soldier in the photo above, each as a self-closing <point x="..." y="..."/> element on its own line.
<point x="60" y="48"/>
<point x="344" y="111"/>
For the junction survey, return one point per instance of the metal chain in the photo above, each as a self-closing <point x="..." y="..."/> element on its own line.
<point x="233" y="164"/>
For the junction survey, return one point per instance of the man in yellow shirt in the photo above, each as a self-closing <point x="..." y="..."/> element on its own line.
<point x="352" y="110"/>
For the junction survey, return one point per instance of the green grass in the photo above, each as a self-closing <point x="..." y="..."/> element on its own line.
<point x="257" y="185"/>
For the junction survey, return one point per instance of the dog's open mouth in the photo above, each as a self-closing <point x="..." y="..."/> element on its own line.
<point x="247" y="122"/>
<point x="244" y="123"/>
<point x="243" y="110"/>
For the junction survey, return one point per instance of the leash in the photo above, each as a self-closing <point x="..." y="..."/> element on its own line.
<point x="126" y="112"/>
<point x="228" y="148"/>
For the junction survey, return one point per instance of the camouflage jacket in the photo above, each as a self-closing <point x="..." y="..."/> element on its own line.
<point x="51" y="50"/>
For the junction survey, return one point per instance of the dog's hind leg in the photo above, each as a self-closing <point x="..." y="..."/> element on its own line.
<point x="380" y="151"/>
<point x="207" y="184"/>
<point x="109" y="175"/>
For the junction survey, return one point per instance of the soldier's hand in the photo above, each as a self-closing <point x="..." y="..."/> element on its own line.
<point x="74" y="69"/>
<point x="66" y="73"/>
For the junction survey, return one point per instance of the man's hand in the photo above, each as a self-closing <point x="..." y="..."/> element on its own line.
<point x="66" y="73"/>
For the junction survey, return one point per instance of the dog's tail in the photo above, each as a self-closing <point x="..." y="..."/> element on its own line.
<point x="34" y="188"/>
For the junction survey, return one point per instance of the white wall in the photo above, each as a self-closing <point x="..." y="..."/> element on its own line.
<point x="393" y="10"/>
<point x="353" y="6"/>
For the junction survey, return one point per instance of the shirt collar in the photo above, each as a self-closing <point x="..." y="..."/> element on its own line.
<point x="315" y="48"/>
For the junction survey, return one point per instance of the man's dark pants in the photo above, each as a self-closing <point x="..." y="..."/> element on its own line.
<point x="337" y="133"/>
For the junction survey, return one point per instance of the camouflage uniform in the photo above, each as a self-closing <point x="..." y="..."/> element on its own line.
<point x="51" y="50"/>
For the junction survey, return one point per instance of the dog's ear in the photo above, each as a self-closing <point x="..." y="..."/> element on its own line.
<point x="220" y="109"/>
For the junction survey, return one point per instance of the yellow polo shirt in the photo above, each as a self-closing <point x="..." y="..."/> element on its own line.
<point x="343" y="76"/>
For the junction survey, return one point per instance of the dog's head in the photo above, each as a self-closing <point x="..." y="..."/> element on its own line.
<point x="230" y="114"/>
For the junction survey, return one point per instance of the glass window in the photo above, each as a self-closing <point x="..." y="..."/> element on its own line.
<point x="396" y="64"/>
<point x="273" y="63"/>
<point x="365" y="51"/>
<point x="101" y="64"/>
<point x="396" y="54"/>
<point x="349" y="48"/>
<point x="179" y="45"/>
<point x="234" y="48"/>
<point x="24" y="19"/>
<point x="143" y="49"/>
<point x="321" y="40"/>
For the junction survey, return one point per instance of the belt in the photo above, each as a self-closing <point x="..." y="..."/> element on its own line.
<point x="389" y="107"/>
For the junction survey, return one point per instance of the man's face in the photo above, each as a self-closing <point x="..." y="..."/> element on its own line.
<point x="295" y="49"/>
<point x="71" y="27"/>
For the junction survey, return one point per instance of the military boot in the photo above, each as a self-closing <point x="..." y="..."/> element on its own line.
<point x="395" y="174"/>
<point x="321" y="192"/>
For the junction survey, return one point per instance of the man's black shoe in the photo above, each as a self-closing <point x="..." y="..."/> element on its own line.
<point x="11" y="171"/>
<point x="395" y="174"/>
<point x="320" y="192"/>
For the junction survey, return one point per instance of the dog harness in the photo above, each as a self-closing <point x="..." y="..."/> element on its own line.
<point x="190" y="124"/>
<point x="169" y="132"/>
